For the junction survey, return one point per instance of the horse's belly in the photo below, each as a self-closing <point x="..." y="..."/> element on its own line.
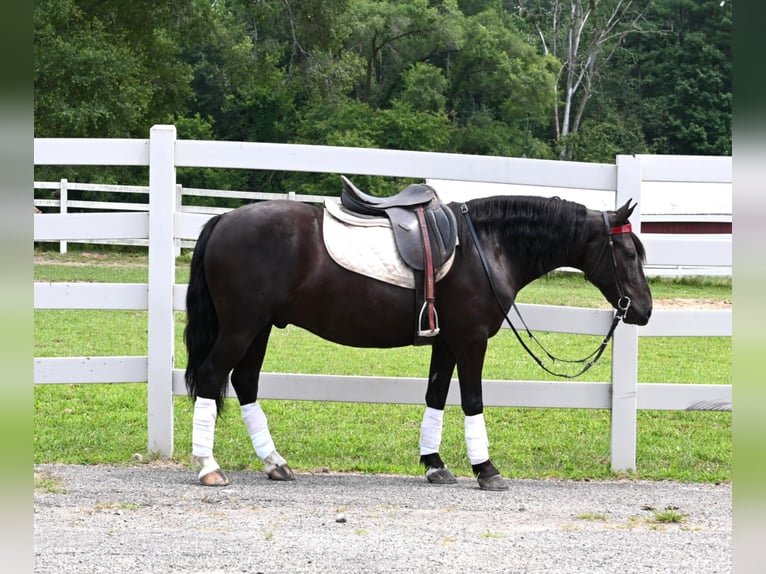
<point x="370" y="315"/>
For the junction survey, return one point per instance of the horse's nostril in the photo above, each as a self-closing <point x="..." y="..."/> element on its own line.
<point x="649" y="313"/>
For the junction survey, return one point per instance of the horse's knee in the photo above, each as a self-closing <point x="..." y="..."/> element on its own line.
<point x="472" y="407"/>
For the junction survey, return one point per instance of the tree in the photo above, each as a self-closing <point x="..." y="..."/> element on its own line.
<point x="87" y="82"/>
<point x="391" y="35"/>
<point x="685" y="77"/>
<point x="498" y="87"/>
<point x="583" y="36"/>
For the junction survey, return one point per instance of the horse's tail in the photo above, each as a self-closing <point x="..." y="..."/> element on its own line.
<point x="201" y="319"/>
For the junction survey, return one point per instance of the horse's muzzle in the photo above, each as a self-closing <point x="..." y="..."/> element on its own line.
<point x="637" y="315"/>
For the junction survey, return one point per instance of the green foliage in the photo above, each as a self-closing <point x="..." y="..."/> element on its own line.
<point x="678" y="78"/>
<point x="601" y="141"/>
<point x="452" y="76"/>
<point x="424" y="88"/>
<point x="87" y="82"/>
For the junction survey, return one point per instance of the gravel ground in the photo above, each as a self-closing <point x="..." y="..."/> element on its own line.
<point x="156" y="518"/>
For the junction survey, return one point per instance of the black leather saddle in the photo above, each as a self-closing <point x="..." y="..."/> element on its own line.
<point x="425" y="233"/>
<point x="401" y="211"/>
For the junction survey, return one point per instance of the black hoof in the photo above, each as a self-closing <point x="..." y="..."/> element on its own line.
<point x="495" y="482"/>
<point x="281" y="472"/>
<point x="440" y="476"/>
<point x="488" y="476"/>
<point x="436" y="471"/>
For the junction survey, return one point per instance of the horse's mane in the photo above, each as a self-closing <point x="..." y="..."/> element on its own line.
<point x="544" y="226"/>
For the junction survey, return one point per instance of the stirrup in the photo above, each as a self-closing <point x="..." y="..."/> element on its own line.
<point x="428" y="332"/>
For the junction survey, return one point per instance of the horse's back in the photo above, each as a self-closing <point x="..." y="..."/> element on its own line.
<point x="262" y="241"/>
<point x="262" y="229"/>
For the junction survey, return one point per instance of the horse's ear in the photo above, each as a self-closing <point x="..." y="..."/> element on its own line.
<point x="624" y="212"/>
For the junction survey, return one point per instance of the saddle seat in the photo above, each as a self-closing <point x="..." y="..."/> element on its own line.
<point x="357" y="201"/>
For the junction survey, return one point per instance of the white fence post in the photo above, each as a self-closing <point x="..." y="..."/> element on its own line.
<point x="63" y="198"/>
<point x="625" y="342"/>
<point x="178" y="202"/>
<point x="162" y="200"/>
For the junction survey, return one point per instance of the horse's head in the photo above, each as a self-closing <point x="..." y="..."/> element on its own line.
<point x="614" y="260"/>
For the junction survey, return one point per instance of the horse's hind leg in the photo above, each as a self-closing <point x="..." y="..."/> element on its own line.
<point x="244" y="379"/>
<point x="439" y="377"/>
<point x="212" y="375"/>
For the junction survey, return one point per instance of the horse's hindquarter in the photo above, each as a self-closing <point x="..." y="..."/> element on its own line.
<point x="266" y="264"/>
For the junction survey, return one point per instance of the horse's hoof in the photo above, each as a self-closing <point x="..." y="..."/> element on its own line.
<point x="494" y="482"/>
<point x="214" y="478"/>
<point x="276" y="467"/>
<point x="281" y="472"/>
<point x="440" y="476"/>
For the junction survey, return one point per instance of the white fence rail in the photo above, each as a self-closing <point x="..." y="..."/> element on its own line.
<point x="64" y="204"/>
<point x="164" y="224"/>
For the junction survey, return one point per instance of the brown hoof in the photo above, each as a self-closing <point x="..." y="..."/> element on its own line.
<point x="494" y="482"/>
<point x="214" y="478"/>
<point x="280" y="472"/>
<point x="440" y="476"/>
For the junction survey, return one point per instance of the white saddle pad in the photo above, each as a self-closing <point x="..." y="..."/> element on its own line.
<point x="366" y="246"/>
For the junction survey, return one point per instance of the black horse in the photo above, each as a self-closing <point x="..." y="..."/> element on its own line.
<point x="265" y="265"/>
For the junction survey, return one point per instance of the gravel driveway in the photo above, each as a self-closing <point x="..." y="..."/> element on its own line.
<point x="156" y="518"/>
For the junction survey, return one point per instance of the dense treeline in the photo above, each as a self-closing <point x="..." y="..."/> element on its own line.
<point x="580" y="80"/>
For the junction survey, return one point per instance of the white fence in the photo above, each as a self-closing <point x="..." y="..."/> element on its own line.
<point x="163" y="225"/>
<point x="64" y="203"/>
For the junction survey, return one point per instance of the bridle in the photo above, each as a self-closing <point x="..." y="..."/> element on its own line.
<point x="623" y="303"/>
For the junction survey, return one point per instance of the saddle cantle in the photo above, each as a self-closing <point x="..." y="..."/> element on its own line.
<point x="425" y="233"/>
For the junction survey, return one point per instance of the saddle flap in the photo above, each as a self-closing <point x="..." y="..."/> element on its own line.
<point x="442" y="234"/>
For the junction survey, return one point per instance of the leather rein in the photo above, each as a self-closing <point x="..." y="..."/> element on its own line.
<point x="623" y="303"/>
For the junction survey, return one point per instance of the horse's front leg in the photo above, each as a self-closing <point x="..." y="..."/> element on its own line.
<point x="470" y="363"/>
<point x="439" y="377"/>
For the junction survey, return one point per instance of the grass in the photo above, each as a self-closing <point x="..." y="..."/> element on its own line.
<point x="107" y="423"/>
<point x="669" y="516"/>
<point x="48" y="484"/>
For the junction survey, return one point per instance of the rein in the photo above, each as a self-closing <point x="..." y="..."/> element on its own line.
<point x="623" y="303"/>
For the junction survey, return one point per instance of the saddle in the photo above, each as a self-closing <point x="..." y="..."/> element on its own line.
<point x="425" y="233"/>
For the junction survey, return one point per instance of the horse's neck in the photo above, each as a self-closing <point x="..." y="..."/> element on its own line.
<point x="528" y="261"/>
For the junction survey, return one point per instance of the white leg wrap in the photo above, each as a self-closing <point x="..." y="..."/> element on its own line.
<point x="203" y="427"/>
<point x="431" y="431"/>
<point x="258" y="429"/>
<point x="476" y="440"/>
